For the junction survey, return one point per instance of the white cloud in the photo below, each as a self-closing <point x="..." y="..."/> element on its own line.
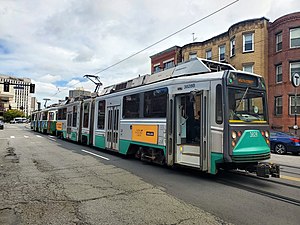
<point x="56" y="42"/>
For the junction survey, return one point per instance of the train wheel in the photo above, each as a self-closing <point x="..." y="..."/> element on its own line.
<point x="280" y="149"/>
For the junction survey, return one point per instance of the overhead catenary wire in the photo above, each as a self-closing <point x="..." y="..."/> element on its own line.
<point x="165" y="38"/>
<point x="155" y="43"/>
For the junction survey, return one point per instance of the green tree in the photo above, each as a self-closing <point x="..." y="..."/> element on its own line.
<point x="11" y="114"/>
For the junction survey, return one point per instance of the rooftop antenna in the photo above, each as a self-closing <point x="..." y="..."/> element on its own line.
<point x="194" y="38"/>
<point x="96" y="80"/>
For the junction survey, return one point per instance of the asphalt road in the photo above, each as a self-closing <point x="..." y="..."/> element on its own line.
<point x="233" y="198"/>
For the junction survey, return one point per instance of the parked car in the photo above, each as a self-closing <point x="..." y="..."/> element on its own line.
<point x="281" y="143"/>
<point x="19" y="120"/>
<point x="1" y="125"/>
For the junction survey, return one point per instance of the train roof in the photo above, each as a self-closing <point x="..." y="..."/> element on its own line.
<point x="192" y="67"/>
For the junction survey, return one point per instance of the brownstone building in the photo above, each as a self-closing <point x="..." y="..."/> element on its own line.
<point x="284" y="61"/>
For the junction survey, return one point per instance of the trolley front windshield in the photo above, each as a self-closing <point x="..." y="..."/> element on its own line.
<point x="246" y="105"/>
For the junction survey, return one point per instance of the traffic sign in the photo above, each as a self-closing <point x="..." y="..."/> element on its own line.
<point x="296" y="79"/>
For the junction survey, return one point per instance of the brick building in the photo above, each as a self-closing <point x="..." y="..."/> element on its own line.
<point x="271" y="49"/>
<point x="165" y="59"/>
<point x="284" y="61"/>
<point x="244" y="46"/>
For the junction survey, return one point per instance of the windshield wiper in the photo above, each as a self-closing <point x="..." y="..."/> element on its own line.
<point x="241" y="99"/>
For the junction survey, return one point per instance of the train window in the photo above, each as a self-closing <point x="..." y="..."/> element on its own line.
<point x="62" y="114"/>
<point x="44" y="116"/>
<point x="101" y="115"/>
<point x="219" y="104"/>
<point x="86" y="107"/>
<point x="74" y="122"/>
<point x="131" y="106"/>
<point x="155" y="103"/>
<point x="51" y="116"/>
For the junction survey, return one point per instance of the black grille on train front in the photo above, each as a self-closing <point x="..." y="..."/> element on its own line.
<point x="250" y="158"/>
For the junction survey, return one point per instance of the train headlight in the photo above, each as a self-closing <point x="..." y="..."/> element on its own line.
<point x="233" y="135"/>
<point x="267" y="134"/>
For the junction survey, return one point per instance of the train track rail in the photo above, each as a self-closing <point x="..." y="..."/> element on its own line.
<point x="227" y="180"/>
<point x="275" y="196"/>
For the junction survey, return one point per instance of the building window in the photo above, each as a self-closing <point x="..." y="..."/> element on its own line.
<point x="279" y="42"/>
<point x="295" y="37"/>
<point x="232" y="47"/>
<point x="278" y="106"/>
<point x="193" y="55"/>
<point x="101" y="115"/>
<point x="294" y="68"/>
<point x="278" y="69"/>
<point x="156" y="68"/>
<point x="248" y="68"/>
<point x="294" y="105"/>
<point x="248" y="42"/>
<point x="222" y="53"/>
<point x="168" y="65"/>
<point x="208" y="54"/>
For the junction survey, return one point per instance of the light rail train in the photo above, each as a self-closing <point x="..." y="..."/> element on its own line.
<point x="200" y="114"/>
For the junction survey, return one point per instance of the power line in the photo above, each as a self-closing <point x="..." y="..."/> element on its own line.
<point x="161" y="40"/>
<point x="165" y="38"/>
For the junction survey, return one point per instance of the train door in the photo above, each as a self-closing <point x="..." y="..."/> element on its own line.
<point x="69" y="123"/>
<point x="112" y="133"/>
<point x="191" y="138"/>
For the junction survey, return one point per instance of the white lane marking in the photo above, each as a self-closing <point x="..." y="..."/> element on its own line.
<point x="51" y="139"/>
<point x="26" y="136"/>
<point x="38" y="136"/>
<point x="102" y="157"/>
<point x="12" y="136"/>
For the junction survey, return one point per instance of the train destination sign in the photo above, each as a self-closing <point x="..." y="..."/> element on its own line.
<point x="296" y="80"/>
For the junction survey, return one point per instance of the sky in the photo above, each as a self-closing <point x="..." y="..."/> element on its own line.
<point x="56" y="42"/>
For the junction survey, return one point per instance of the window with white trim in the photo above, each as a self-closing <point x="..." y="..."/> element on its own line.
<point x="293" y="105"/>
<point x="248" y="68"/>
<point x="279" y="42"/>
<point x="222" y="53"/>
<point x="156" y="68"/>
<point x="248" y="42"/>
<point x="169" y="64"/>
<point x="278" y="69"/>
<point x="208" y="54"/>
<point x="295" y="37"/>
<point x="193" y="55"/>
<point x="294" y="68"/>
<point x="278" y="106"/>
<point x="232" y="47"/>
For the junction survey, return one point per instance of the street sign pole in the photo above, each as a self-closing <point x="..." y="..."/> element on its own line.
<point x="295" y="83"/>
<point x="295" y="126"/>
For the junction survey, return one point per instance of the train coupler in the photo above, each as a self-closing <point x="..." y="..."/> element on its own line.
<point x="267" y="169"/>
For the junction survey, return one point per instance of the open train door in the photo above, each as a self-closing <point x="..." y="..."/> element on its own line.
<point x="191" y="138"/>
